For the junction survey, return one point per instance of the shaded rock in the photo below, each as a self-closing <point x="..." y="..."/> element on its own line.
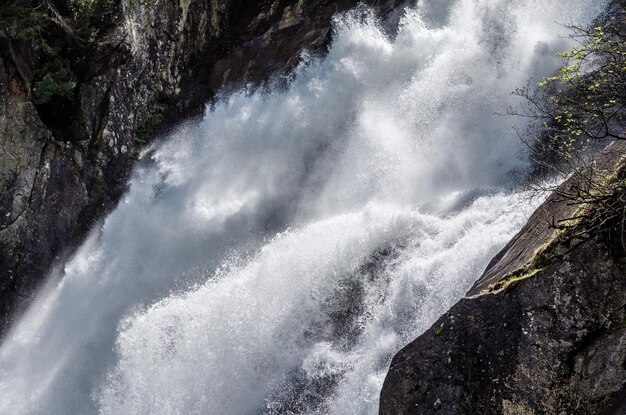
<point x="552" y="341"/>
<point x="24" y="138"/>
<point x="552" y="344"/>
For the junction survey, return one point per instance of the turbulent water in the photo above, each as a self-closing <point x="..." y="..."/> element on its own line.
<point x="273" y="257"/>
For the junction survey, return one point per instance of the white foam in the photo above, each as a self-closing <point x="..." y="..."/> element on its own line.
<point x="236" y="276"/>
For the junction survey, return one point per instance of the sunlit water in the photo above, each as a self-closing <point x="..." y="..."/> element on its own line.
<point x="273" y="257"/>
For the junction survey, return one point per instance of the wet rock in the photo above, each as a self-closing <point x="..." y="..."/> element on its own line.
<point x="550" y="342"/>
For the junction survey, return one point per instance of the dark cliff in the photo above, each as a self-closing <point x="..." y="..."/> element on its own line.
<point x="543" y="331"/>
<point x="85" y="85"/>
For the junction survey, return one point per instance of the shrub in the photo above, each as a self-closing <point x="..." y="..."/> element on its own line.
<point x="60" y="83"/>
<point x="579" y="111"/>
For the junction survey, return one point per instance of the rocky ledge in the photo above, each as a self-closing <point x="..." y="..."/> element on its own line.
<point x="548" y="340"/>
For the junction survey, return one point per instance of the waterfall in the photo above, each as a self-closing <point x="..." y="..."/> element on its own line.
<point x="273" y="256"/>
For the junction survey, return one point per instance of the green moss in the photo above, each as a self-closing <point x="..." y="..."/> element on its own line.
<point x="147" y="129"/>
<point x="98" y="190"/>
<point x="512" y="278"/>
<point x="439" y="331"/>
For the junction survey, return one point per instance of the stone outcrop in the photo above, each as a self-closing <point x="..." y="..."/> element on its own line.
<point x="159" y="62"/>
<point x="548" y="341"/>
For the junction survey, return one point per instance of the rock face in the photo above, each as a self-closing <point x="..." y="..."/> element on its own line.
<point x="160" y="62"/>
<point x="552" y="344"/>
<point x="539" y="228"/>
<point x="549" y="342"/>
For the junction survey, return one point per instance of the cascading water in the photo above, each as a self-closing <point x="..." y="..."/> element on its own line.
<point x="274" y="256"/>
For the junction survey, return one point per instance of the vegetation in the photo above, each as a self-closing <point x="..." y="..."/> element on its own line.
<point x="580" y="110"/>
<point x="143" y="133"/>
<point x="57" y="41"/>
<point x="60" y="83"/>
<point x="90" y="18"/>
<point x="583" y="106"/>
<point x="22" y="22"/>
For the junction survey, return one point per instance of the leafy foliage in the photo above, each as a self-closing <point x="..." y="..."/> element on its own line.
<point x="95" y="16"/>
<point x="594" y="81"/>
<point x="60" y="83"/>
<point x="580" y="110"/>
<point x="58" y="40"/>
<point x="22" y="22"/>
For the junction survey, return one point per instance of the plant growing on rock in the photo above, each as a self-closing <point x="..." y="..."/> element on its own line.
<point x="60" y="83"/>
<point x="581" y="110"/>
<point x="54" y="44"/>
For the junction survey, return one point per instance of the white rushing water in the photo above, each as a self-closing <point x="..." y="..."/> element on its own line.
<point x="273" y="257"/>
